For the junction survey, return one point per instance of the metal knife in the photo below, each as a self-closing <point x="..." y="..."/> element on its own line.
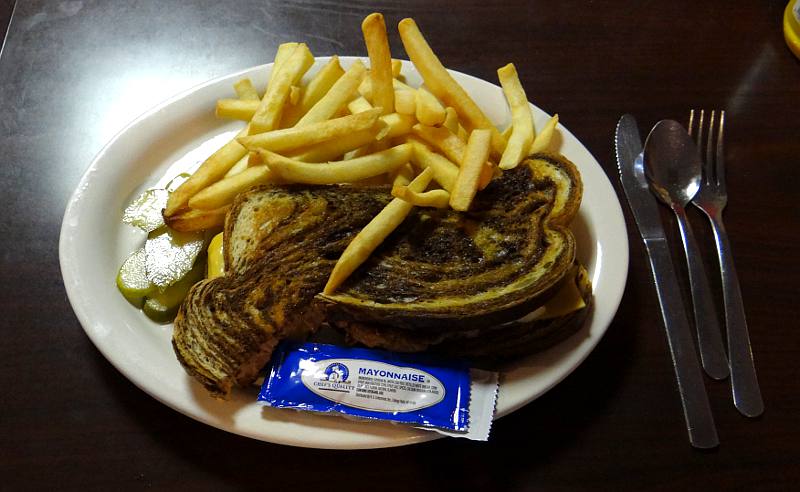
<point x="694" y="399"/>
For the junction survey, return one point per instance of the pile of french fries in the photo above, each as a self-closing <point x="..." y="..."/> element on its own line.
<point x="432" y="143"/>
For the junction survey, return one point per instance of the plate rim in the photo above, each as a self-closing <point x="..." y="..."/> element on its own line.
<point x="87" y="321"/>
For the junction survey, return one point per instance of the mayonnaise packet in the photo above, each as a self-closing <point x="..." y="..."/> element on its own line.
<point x="416" y="389"/>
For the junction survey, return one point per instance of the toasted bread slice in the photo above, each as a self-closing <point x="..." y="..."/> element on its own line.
<point x="488" y="344"/>
<point x="281" y="244"/>
<point x="448" y="271"/>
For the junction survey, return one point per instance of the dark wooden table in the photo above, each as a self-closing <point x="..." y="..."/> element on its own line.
<point x="73" y="73"/>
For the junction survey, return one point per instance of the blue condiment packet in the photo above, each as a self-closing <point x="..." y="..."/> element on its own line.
<point x="416" y="389"/>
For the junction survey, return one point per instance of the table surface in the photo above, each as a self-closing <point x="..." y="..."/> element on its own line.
<point x="73" y="73"/>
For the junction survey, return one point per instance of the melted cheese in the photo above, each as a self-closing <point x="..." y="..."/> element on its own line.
<point x="216" y="258"/>
<point x="567" y="300"/>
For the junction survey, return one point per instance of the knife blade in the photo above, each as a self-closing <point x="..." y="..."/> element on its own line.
<point x="694" y="399"/>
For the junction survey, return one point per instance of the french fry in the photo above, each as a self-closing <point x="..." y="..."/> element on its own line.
<point x="462" y="133"/>
<point x="444" y="172"/>
<point x="507" y="132"/>
<point x="365" y="87"/>
<point x="212" y="169"/>
<point x="240" y="166"/>
<point x="432" y="198"/>
<point x="451" y="146"/>
<point x="294" y="94"/>
<point x="285" y="50"/>
<point x="224" y="191"/>
<point x="397" y="66"/>
<point x="380" y="61"/>
<point x="254" y="159"/>
<point x="343" y="111"/>
<point x="380" y="74"/>
<point x="428" y="109"/>
<point x="319" y="85"/>
<point x="403" y="175"/>
<point x="359" y="152"/>
<point x="340" y="171"/>
<point x="246" y="91"/>
<point x="373" y="234"/>
<point x="521" y="117"/>
<point x="359" y="105"/>
<point x="451" y="120"/>
<point x="289" y="73"/>
<point x="397" y="125"/>
<point x="542" y="141"/>
<point x="441" y="83"/>
<point x="443" y="140"/>
<point x="401" y="86"/>
<point x="405" y="101"/>
<point x="469" y="174"/>
<point x="237" y="109"/>
<point x="303" y="136"/>
<point x="197" y="220"/>
<point x="339" y="94"/>
<point x="332" y="149"/>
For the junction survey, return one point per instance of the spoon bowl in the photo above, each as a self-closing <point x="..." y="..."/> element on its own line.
<point x="672" y="163"/>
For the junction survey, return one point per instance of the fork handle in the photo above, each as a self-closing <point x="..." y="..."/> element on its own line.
<point x="744" y="382"/>
<point x="709" y="335"/>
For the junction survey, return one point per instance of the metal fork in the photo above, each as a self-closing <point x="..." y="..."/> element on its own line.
<point x="711" y="199"/>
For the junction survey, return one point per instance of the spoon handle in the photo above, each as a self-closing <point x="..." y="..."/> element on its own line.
<point x="746" y="392"/>
<point x="709" y="336"/>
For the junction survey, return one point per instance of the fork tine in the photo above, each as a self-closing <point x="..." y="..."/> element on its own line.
<point x="700" y="130"/>
<point x="691" y="123"/>
<point x="720" y="157"/>
<point x="710" y="175"/>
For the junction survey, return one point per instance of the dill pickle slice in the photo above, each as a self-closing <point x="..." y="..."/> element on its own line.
<point x="171" y="254"/>
<point x="132" y="279"/>
<point x="159" y="312"/>
<point x="162" y="305"/>
<point x="145" y="211"/>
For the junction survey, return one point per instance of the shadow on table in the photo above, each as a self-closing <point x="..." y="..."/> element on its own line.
<point x="525" y="443"/>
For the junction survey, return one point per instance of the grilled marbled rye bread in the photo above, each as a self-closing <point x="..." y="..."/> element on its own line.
<point x="459" y="282"/>
<point x="447" y="281"/>
<point x="280" y="246"/>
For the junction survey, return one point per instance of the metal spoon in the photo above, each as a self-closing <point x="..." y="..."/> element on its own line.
<point x="674" y="169"/>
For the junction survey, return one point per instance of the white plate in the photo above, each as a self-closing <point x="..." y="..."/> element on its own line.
<point x="180" y="133"/>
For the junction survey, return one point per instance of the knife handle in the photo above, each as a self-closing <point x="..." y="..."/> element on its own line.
<point x="694" y="399"/>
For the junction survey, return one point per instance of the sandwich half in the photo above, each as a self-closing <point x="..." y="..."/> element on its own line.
<point x="466" y="283"/>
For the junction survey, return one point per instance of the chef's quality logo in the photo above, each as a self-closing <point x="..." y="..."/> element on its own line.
<point x="337" y="373"/>
<point x="328" y="376"/>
